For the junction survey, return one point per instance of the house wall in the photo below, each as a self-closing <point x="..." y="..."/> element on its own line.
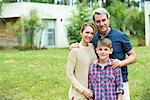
<point x="6" y="37"/>
<point x="45" y="11"/>
<point x="147" y="22"/>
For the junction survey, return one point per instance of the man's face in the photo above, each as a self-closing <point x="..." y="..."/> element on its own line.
<point x="102" y="23"/>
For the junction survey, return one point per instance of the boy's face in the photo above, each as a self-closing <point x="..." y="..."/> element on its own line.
<point x="104" y="52"/>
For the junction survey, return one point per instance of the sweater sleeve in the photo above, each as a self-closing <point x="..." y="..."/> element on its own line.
<point x="71" y="64"/>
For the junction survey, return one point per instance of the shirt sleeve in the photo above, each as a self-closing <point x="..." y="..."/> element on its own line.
<point x="126" y="42"/>
<point x="71" y="64"/>
<point x="119" y="81"/>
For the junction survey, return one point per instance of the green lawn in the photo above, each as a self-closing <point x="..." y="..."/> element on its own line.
<point x="40" y="75"/>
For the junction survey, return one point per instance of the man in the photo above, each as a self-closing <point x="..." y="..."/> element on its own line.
<point x="120" y="43"/>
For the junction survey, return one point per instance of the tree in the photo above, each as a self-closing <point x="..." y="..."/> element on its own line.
<point x="135" y="22"/>
<point x="117" y="12"/>
<point x="31" y="26"/>
<point x="80" y="16"/>
<point x="25" y="30"/>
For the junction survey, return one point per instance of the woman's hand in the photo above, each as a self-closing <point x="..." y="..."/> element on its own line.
<point x="88" y="93"/>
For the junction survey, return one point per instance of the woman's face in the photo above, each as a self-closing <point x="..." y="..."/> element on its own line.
<point x="87" y="34"/>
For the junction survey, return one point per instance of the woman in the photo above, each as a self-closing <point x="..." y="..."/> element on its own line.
<point x="79" y="60"/>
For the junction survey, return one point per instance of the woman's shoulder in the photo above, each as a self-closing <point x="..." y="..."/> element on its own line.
<point x="91" y="45"/>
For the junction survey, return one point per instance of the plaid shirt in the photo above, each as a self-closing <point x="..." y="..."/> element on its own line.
<point x="105" y="82"/>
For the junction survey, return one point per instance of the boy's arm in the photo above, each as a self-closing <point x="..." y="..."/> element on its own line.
<point x="119" y="81"/>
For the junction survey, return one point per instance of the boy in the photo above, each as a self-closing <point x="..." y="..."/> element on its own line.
<point x="106" y="82"/>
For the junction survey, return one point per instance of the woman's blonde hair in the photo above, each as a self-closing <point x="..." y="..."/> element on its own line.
<point x="84" y="25"/>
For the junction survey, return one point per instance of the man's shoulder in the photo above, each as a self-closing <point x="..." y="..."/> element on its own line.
<point x="116" y="31"/>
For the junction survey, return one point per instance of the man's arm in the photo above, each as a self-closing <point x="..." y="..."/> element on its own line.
<point x="74" y="45"/>
<point x="129" y="60"/>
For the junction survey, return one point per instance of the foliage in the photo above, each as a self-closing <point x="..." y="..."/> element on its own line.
<point x="1" y="6"/>
<point x="128" y="19"/>
<point x="41" y="75"/>
<point x="117" y="12"/>
<point x="107" y="3"/>
<point x="25" y="30"/>
<point x="135" y="21"/>
<point x="80" y="16"/>
<point x="31" y="27"/>
<point x="43" y="1"/>
<point x="6" y="1"/>
<point x="19" y="31"/>
<point x="123" y="18"/>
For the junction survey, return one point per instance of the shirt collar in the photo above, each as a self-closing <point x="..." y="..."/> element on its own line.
<point x="104" y="36"/>
<point x="109" y="62"/>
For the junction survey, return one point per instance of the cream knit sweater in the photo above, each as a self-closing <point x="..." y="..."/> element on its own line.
<point x="79" y="60"/>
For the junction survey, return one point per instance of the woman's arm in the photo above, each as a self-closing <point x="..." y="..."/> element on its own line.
<point x="71" y="64"/>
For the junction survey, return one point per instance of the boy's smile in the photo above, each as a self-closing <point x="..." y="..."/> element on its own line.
<point x="103" y="53"/>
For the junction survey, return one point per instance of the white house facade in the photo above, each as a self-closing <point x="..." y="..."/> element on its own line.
<point x="54" y="35"/>
<point x="147" y="22"/>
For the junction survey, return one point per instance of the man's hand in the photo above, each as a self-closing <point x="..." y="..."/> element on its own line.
<point x="74" y="45"/>
<point x="88" y="93"/>
<point x="116" y="63"/>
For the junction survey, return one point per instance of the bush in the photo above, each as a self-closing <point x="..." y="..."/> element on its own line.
<point x="80" y="16"/>
<point x="135" y="22"/>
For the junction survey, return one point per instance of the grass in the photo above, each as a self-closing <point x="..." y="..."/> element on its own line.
<point x="139" y="75"/>
<point x="33" y="75"/>
<point x="40" y="75"/>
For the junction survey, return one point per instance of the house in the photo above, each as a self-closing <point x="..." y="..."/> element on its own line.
<point x="54" y="35"/>
<point x="147" y="22"/>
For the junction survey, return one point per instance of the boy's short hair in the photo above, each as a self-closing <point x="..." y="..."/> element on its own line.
<point x="104" y="42"/>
